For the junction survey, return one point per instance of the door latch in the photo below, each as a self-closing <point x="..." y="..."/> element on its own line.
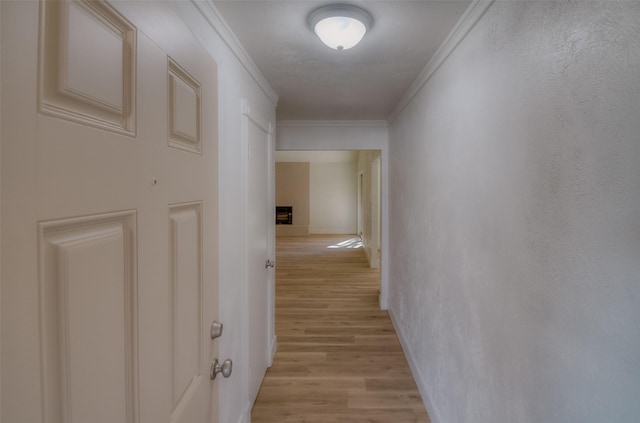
<point x="216" y="330"/>
<point x="269" y="263"/>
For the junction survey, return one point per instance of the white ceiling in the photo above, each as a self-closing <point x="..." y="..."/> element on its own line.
<point x="315" y="82"/>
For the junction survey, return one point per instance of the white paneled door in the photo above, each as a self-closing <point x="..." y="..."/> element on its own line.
<point x="109" y="215"/>
<point x="259" y="255"/>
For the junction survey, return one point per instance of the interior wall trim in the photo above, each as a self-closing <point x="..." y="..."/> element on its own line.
<point x="260" y="121"/>
<point x="220" y="26"/>
<point x="469" y="19"/>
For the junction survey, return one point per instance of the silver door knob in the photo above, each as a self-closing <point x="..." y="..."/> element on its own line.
<point x="269" y="263"/>
<point x="225" y="368"/>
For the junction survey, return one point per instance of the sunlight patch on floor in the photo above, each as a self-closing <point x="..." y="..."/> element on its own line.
<point x="349" y="243"/>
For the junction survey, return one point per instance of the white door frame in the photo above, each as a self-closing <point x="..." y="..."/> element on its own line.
<point x="1" y="118"/>
<point x="360" y="230"/>
<point x="375" y="214"/>
<point x="249" y="116"/>
<point x="384" y="202"/>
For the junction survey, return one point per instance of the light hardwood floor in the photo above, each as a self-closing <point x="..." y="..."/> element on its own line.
<point x="338" y="359"/>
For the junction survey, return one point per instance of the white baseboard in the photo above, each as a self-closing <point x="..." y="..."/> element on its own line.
<point x="246" y="415"/>
<point x="415" y="370"/>
<point x="273" y="350"/>
<point x="366" y="252"/>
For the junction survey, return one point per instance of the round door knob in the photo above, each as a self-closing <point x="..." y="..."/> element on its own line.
<point x="225" y="368"/>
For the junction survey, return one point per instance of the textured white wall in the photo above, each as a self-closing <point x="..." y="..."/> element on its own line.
<point x="333" y="198"/>
<point x="331" y="135"/>
<point x="515" y="219"/>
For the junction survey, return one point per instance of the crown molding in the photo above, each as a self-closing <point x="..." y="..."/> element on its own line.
<point x="213" y="17"/>
<point x="469" y="19"/>
<point x="331" y="123"/>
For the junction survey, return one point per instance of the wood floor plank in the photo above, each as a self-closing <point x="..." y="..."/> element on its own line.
<point x="339" y="416"/>
<point x="339" y="359"/>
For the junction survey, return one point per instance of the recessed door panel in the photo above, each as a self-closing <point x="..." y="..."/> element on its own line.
<point x="87" y="307"/>
<point x="87" y="65"/>
<point x="101" y="78"/>
<point x="184" y="109"/>
<point x="186" y="301"/>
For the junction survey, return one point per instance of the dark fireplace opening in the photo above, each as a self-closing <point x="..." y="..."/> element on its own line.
<point x="284" y="215"/>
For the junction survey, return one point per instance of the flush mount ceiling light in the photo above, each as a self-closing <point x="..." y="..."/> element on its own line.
<point x="340" y="26"/>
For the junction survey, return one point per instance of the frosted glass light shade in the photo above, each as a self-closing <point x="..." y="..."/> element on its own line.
<point x="339" y="32"/>
<point x="340" y="26"/>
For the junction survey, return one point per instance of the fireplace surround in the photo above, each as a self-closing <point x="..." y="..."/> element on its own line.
<point x="284" y="215"/>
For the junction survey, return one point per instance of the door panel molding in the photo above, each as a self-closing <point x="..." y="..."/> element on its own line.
<point x="185" y="276"/>
<point x="89" y="79"/>
<point x="87" y="267"/>
<point x="184" y="109"/>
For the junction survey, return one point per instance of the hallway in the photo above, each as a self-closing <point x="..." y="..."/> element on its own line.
<point x="338" y="359"/>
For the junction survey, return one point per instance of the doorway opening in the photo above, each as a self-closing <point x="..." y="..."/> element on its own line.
<point x="332" y="193"/>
